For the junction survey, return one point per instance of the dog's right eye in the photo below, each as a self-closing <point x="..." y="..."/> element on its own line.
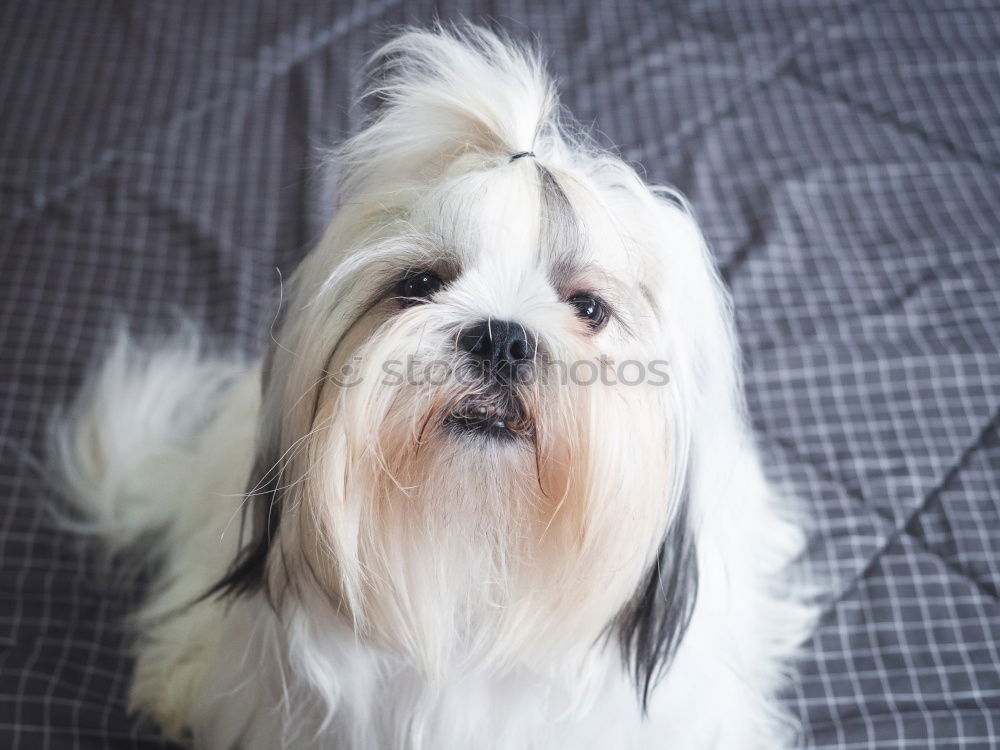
<point x="418" y="286"/>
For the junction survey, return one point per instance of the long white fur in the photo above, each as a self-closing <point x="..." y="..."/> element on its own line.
<point x="430" y="599"/>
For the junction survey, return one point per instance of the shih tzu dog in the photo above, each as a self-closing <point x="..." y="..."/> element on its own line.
<point x="492" y="486"/>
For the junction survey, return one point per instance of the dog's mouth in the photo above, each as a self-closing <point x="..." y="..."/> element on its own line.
<point x="500" y="418"/>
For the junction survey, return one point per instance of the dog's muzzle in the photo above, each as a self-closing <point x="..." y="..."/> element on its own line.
<point x="502" y="355"/>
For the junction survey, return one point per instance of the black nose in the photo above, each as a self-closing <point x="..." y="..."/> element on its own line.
<point x="498" y="343"/>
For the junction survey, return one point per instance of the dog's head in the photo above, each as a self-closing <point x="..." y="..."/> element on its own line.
<point x="492" y="383"/>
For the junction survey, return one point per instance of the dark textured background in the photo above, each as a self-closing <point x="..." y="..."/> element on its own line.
<point x="842" y="156"/>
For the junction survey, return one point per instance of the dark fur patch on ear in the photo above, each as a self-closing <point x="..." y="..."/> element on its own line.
<point x="260" y="515"/>
<point x="248" y="572"/>
<point x="652" y="624"/>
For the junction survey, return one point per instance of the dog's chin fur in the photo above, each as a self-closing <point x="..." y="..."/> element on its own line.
<point x="352" y="566"/>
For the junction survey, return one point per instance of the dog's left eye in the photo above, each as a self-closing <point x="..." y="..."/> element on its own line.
<point x="417" y="286"/>
<point x="591" y="309"/>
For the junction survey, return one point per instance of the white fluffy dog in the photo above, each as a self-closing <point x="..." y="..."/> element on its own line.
<point x="491" y="487"/>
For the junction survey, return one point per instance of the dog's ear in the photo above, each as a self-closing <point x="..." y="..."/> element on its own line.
<point x="262" y="507"/>
<point x="293" y="376"/>
<point x="652" y="624"/>
<point x="709" y="423"/>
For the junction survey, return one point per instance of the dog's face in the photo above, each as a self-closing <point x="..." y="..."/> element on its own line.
<point x="477" y="458"/>
<point x="477" y="418"/>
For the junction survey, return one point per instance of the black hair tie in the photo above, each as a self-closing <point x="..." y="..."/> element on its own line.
<point x="522" y="154"/>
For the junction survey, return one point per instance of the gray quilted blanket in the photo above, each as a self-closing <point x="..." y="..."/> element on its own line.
<point x="844" y="158"/>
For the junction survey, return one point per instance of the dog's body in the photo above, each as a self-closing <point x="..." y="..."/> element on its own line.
<point x="481" y="563"/>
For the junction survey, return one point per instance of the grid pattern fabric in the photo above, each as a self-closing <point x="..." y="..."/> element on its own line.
<point x="843" y="157"/>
